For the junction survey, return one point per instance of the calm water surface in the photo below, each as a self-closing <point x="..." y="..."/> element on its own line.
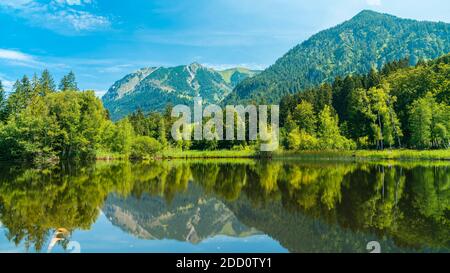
<point x="226" y="206"/>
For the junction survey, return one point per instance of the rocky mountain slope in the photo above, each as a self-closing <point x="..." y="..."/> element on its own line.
<point x="151" y="89"/>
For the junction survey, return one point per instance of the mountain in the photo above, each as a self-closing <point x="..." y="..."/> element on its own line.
<point x="190" y="217"/>
<point x="151" y="89"/>
<point x="369" y="39"/>
<point x="234" y="76"/>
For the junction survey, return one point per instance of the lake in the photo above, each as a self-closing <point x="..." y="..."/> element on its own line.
<point x="233" y="205"/>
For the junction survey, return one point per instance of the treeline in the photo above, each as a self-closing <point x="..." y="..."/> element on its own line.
<point x="158" y="125"/>
<point x="40" y="122"/>
<point x="397" y="107"/>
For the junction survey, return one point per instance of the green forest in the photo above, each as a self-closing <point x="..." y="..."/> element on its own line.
<point x="398" y="107"/>
<point x="369" y="39"/>
<point x="40" y="122"/>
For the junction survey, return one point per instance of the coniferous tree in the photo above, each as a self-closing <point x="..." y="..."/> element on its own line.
<point x="2" y="103"/>
<point x="47" y="83"/>
<point x="68" y="83"/>
<point x="21" y="96"/>
<point x="35" y="86"/>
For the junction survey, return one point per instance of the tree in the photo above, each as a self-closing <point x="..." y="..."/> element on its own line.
<point x="440" y="128"/>
<point x="2" y="103"/>
<point x="65" y="125"/>
<point x="68" y="83"/>
<point x="420" y="122"/>
<point x="329" y="133"/>
<point x="35" y="86"/>
<point x="360" y="114"/>
<point x="301" y="140"/>
<point x="21" y="96"/>
<point x="385" y="124"/>
<point x="373" y="78"/>
<point x="47" y="83"/>
<point x="305" y="118"/>
<point x="30" y="134"/>
<point x="429" y="123"/>
<point x="122" y="137"/>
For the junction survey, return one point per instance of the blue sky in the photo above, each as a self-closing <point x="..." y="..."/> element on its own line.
<point x="103" y="40"/>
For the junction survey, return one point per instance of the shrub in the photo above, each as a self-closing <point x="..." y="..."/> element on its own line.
<point x="144" y="147"/>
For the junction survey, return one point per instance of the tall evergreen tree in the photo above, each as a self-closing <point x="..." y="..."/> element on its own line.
<point x="47" y="83"/>
<point x="68" y="82"/>
<point x="35" y="86"/>
<point x="2" y="102"/>
<point x="21" y="96"/>
<point x="26" y="86"/>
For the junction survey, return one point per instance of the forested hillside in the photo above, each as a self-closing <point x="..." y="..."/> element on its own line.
<point x="399" y="106"/>
<point x="368" y="40"/>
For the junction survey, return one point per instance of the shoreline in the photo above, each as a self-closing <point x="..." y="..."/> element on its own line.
<point x="432" y="155"/>
<point x="348" y="155"/>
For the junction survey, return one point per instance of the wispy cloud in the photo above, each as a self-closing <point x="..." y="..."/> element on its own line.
<point x="15" y="55"/>
<point x="18" y="58"/>
<point x="7" y="85"/>
<point x="60" y="16"/>
<point x="243" y="65"/>
<point x="204" y="38"/>
<point x="373" y="2"/>
<point x="100" y="93"/>
<point x="116" y="68"/>
<point x="74" y="2"/>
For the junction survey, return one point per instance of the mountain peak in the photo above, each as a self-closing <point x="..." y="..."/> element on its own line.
<point x="368" y="14"/>
<point x="151" y="89"/>
<point x="195" y="65"/>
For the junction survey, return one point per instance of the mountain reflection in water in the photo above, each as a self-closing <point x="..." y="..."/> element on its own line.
<point x="302" y="206"/>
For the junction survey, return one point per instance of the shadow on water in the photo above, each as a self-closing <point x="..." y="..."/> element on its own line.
<point x="305" y="206"/>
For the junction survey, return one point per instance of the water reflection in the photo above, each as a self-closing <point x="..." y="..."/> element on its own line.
<point x="305" y="206"/>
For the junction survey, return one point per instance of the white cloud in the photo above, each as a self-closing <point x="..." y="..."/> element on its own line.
<point x="115" y="68"/>
<point x="220" y="67"/>
<point x="74" y="2"/>
<point x="17" y="58"/>
<point x="7" y="84"/>
<point x="15" y="55"/>
<point x="15" y="3"/>
<point x="99" y="93"/>
<point x="373" y="2"/>
<point x="57" y="15"/>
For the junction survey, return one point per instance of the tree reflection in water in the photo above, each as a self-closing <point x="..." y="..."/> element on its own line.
<point x="306" y="206"/>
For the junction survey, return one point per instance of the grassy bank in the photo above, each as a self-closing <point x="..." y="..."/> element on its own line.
<point x="335" y="155"/>
<point x="345" y="155"/>
<point x="207" y="154"/>
<point x="106" y="156"/>
<point x="368" y="155"/>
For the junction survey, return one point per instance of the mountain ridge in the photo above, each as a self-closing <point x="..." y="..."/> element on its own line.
<point x="369" y="39"/>
<point x="153" y="88"/>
